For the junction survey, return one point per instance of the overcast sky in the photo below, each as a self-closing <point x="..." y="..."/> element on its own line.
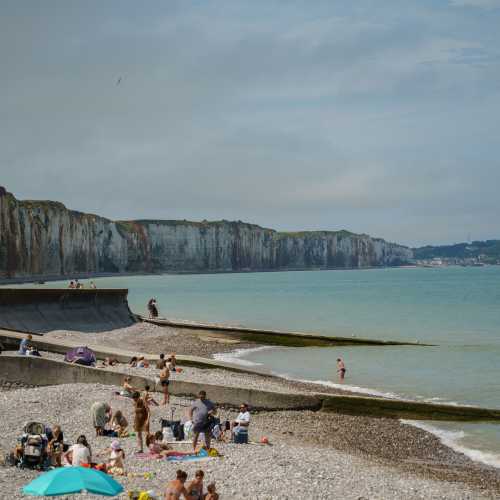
<point x="376" y="116"/>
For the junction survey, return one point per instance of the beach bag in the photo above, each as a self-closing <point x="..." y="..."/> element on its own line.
<point x="176" y="427"/>
<point x="217" y="431"/>
<point x="241" y="437"/>
<point x="168" y="435"/>
<point x="188" y="430"/>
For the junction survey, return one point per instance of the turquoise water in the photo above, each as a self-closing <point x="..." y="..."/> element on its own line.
<point x="456" y="308"/>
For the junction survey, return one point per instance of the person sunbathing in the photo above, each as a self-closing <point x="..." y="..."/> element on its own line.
<point x="109" y="362"/>
<point x="142" y="362"/>
<point x="156" y="446"/>
<point x="128" y="389"/>
<point x="160" y="449"/>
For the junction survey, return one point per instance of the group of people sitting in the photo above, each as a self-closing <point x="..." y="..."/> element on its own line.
<point x="77" y="284"/>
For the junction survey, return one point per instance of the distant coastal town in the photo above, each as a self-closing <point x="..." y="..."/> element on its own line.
<point x="478" y="261"/>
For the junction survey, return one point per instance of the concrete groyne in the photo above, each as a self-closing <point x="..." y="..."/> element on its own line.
<point x="273" y="337"/>
<point x="43" y="310"/>
<point x="40" y="371"/>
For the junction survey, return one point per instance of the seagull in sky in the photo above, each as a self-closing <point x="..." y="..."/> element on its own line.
<point x="118" y="81"/>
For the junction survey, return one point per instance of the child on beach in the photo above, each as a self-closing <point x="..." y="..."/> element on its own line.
<point x="195" y="487"/>
<point x="119" y="424"/>
<point x="212" y="493"/>
<point x="147" y="396"/>
<point x="116" y="464"/>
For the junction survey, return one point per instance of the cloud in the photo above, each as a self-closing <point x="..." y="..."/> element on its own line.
<point x="293" y="117"/>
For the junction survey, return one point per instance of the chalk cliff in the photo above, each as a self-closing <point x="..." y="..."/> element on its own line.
<point x="45" y="238"/>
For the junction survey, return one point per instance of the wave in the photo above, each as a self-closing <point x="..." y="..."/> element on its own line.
<point x="452" y="440"/>
<point x="236" y="356"/>
<point x="344" y="387"/>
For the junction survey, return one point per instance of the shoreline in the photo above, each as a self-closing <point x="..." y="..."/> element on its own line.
<point x="35" y="279"/>
<point x="447" y="438"/>
<point x="152" y="338"/>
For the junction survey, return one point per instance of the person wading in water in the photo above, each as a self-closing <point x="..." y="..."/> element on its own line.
<point x="341" y="369"/>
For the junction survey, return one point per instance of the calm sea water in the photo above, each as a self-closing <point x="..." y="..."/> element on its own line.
<point x="456" y="308"/>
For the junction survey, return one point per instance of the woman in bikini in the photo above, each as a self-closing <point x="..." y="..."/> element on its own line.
<point x="127" y="388"/>
<point x="176" y="487"/>
<point x="195" y="487"/>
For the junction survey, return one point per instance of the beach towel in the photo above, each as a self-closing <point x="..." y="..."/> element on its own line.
<point x="201" y="456"/>
<point x="179" y="456"/>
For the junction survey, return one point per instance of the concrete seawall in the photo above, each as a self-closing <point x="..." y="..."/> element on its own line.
<point x="44" y="310"/>
<point x="40" y="371"/>
<point x="11" y="340"/>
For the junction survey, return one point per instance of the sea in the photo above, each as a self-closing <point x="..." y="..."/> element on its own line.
<point x="455" y="308"/>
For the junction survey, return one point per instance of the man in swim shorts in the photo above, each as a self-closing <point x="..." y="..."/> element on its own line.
<point x="200" y="413"/>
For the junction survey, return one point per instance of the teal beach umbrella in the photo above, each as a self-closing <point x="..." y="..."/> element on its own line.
<point x="66" y="480"/>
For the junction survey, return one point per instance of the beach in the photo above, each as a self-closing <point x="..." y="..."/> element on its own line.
<point x="297" y="464"/>
<point x="312" y="454"/>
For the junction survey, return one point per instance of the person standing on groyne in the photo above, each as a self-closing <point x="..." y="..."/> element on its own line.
<point x="152" y="308"/>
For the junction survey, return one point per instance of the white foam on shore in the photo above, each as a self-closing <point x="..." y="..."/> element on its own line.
<point x="345" y="387"/>
<point x="236" y="355"/>
<point x="452" y="440"/>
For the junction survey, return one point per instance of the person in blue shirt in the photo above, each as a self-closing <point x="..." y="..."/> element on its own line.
<point x="23" y="346"/>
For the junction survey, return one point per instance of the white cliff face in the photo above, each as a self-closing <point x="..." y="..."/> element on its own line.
<point x="45" y="238"/>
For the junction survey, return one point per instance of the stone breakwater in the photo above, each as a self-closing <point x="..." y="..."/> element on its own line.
<point x="44" y="238"/>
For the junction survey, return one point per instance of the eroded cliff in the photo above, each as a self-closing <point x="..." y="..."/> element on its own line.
<point x="40" y="238"/>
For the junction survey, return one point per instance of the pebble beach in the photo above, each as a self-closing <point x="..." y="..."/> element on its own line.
<point x="287" y="468"/>
<point x="311" y="455"/>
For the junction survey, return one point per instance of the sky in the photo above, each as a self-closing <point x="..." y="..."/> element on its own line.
<point x="375" y="117"/>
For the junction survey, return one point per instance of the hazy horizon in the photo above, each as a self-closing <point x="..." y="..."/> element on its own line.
<point x="375" y="118"/>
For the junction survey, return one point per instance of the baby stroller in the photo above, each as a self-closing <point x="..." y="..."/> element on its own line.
<point x="34" y="446"/>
